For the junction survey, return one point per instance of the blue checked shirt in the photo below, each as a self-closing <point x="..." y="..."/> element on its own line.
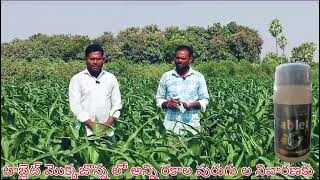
<point x="191" y="89"/>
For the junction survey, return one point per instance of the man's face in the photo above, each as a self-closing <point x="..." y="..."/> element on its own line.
<point x="182" y="59"/>
<point x="95" y="61"/>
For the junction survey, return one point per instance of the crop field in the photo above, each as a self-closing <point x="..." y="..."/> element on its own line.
<point x="237" y="128"/>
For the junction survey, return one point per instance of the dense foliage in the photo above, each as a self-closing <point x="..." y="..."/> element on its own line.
<point x="304" y="52"/>
<point x="149" y="44"/>
<point x="237" y="127"/>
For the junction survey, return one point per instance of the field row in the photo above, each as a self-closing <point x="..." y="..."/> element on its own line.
<point x="237" y="127"/>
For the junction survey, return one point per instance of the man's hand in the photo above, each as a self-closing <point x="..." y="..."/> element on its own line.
<point x="108" y="123"/>
<point x="102" y="128"/>
<point x="91" y="124"/>
<point x="171" y="104"/>
<point x="186" y="106"/>
<point x="190" y="106"/>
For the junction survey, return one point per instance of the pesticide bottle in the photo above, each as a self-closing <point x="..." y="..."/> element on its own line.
<point x="292" y="100"/>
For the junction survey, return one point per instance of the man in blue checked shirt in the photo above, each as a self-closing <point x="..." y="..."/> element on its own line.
<point x="182" y="92"/>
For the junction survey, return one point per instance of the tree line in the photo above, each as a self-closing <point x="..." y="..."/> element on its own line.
<point x="302" y="53"/>
<point x="151" y="45"/>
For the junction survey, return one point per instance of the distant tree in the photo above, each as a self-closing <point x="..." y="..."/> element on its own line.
<point x="218" y="42"/>
<point x="148" y="44"/>
<point x="246" y="45"/>
<point x="105" y="39"/>
<point x="67" y="47"/>
<point x="219" y="50"/>
<point x="282" y="43"/>
<point x="304" y="52"/>
<point x="275" y="29"/>
<point x="171" y="44"/>
<point x="171" y="31"/>
<point x="110" y="45"/>
<point x="197" y="31"/>
<point x="199" y="40"/>
<point x="18" y="49"/>
<point x="215" y="30"/>
<point x="232" y="27"/>
<point x="128" y="31"/>
<point x="274" y="58"/>
<point x="194" y="36"/>
<point x="38" y="46"/>
<point x="234" y="42"/>
<point x="142" y="45"/>
<point x="152" y="28"/>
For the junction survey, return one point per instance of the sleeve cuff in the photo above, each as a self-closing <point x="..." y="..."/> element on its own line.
<point x="203" y="104"/>
<point x="116" y="114"/>
<point x="160" y="102"/>
<point x="83" y="116"/>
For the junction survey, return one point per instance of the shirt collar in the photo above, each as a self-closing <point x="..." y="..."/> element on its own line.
<point x="87" y="72"/>
<point x="191" y="71"/>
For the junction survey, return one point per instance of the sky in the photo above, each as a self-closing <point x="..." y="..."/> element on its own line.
<point x="21" y="19"/>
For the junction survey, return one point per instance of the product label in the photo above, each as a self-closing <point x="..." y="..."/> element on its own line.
<point x="292" y="129"/>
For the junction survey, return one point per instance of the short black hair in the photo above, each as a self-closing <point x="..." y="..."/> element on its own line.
<point x="94" y="48"/>
<point x="185" y="47"/>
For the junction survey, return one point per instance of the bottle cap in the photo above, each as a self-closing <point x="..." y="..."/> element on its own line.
<point x="293" y="74"/>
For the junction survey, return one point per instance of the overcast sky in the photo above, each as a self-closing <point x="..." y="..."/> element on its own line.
<point x="20" y="19"/>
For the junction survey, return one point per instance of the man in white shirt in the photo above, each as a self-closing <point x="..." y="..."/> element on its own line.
<point x="94" y="94"/>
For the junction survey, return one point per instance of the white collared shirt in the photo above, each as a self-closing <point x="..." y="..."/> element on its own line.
<point x="94" y="98"/>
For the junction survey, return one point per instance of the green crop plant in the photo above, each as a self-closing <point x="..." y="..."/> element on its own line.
<point x="236" y="128"/>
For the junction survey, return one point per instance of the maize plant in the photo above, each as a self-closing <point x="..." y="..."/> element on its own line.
<point x="236" y="128"/>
